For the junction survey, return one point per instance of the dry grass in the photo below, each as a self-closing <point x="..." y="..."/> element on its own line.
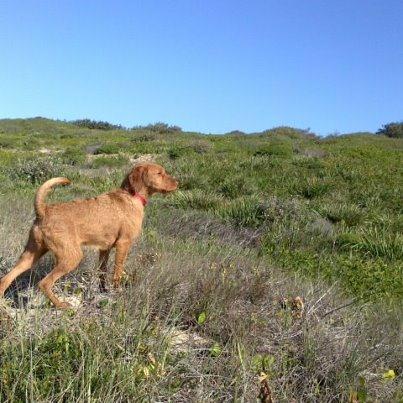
<point x="199" y="283"/>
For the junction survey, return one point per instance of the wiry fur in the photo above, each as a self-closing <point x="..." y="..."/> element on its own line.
<point x="111" y="220"/>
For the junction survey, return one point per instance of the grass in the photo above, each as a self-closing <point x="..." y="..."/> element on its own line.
<point x="208" y="300"/>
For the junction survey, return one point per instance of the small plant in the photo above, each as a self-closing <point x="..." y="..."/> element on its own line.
<point x="174" y="153"/>
<point x="7" y="143"/>
<point x="374" y="243"/>
<point x="350" y="215"/>
<point x="200" y="146"/>
<point x="276" y="148"/>
<point x="235" y="187"/>
<point x="107" y="149"/>
<point x="244" y="212"/>
<point x="196" y="199"/>
<point x="313" y="188"/>
<point x="73" y="156"/>
<point x="109" y="162"/>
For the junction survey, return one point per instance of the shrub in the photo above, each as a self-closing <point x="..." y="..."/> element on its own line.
<point x="374" y="243"/>
<point x="7" y="143"/>
<point x="275" y="148"/>
<point x="196" y="199"/>
<point x="290" y="132"/>
<point x="244" y="212"/>
<point x="235" y="133"/>
<point x="37" y="170"/>
<point x="176" y="152"/>
<point x="351" y="215"/>
<point x="143" y="138"/>
<point x="109" y="162"/>
<point x="313" y="188"/>
<point x="236" y="186"/>
<point x="73" y="156"/>
<point x="159" y="127"/>
<point x="200" y="146"/>
<point x="96" y="124"/>
<point x="394" y="130"/>
<point x="107" y="149"/>
<point x="192" y="181"/>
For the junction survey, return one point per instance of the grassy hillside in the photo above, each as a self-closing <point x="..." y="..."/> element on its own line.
<point x="259" y="220"/>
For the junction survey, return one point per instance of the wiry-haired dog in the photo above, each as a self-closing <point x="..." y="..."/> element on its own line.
<point x="111" y="220"/>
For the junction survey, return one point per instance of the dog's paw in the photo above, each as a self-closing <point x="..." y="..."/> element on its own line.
<point x="64" y="305"/>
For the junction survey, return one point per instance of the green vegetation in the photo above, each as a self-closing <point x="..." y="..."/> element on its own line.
<point x="96" y="124"/>
<point x="259" y="219"/>
<point x="394" y="130"/>
<point x="337" y="200"/>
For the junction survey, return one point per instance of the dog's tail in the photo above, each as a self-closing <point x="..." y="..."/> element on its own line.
<point x="40" y="206"/>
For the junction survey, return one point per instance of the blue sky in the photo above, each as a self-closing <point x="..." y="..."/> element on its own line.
<point x="210" y="66"/>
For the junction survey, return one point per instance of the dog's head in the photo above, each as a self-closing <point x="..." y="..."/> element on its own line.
<point x="151" y="178"/>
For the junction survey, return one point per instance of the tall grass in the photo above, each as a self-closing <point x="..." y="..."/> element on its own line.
<point x="198" y="320"/>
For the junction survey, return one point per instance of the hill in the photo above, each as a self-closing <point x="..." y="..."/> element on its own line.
<point x="260" y="219"/>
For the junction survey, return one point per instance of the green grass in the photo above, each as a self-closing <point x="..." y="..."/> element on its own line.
<point x="350" y="181"/>
<point x="258" y="218"/>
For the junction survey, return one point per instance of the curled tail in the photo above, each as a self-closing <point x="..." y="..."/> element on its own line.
<point x="41" y="193"/>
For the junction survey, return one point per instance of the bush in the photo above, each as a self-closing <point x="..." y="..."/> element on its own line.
<point x="192" y="181"/>
<point x="236" y="186"/>
<point x="290" y="132"/>
<point x="37" y="170"/>
<point x="107" y="149"/>
<point x="275" y="148"/>
<point x="159" y="127"/>
<point x="196" y="199"/>
<point x="313" y="188"/>
<point x="200" y="146"/>
<point x="350" y="215"/>
<point x="394" y="130"/>
<point x="73" y="156"/>
<point x="244" y="212"/>
<point x="374" y="243"/>
<point x="235" y="133"/>
<point x="96" y="124"/>
<point x="176" y="152"/>
<point x="109" y="162"/>
<point x="7" y="143"/>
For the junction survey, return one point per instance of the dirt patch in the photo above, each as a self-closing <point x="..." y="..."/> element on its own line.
<point x="143" y="158"/>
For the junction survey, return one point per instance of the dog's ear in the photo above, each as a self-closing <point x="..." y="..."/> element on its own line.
<point x="134" y="180"/>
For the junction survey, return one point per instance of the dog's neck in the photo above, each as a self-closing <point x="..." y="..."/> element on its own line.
<point x="142" y="198"/>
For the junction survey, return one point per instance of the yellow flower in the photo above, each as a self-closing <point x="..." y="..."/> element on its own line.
<point x="389" y="375"/>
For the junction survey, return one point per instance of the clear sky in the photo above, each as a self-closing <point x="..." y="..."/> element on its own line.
<point x="208" y="65"/>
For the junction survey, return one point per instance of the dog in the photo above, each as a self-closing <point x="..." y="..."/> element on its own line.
<point x="110" y="220"/>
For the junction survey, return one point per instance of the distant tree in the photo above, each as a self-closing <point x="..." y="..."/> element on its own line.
<point x="236" y="133"/>
<point x="393" y="129"/>
<point x="159" y="127"/>
<point x="291" y="132"/>
<point x="96" y="124"/>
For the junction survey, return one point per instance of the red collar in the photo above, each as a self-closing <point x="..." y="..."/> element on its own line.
<point x="141" y="198"/>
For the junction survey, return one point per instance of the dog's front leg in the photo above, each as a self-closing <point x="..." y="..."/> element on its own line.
<point x="122" y="250"/>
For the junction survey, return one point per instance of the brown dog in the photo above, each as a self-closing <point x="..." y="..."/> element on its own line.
<point x="113" y="219"/>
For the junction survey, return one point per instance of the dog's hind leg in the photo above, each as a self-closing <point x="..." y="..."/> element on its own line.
<point x="33" y="251"/>
<point x="103" y="262"/>
<point x="65" y="263"/>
